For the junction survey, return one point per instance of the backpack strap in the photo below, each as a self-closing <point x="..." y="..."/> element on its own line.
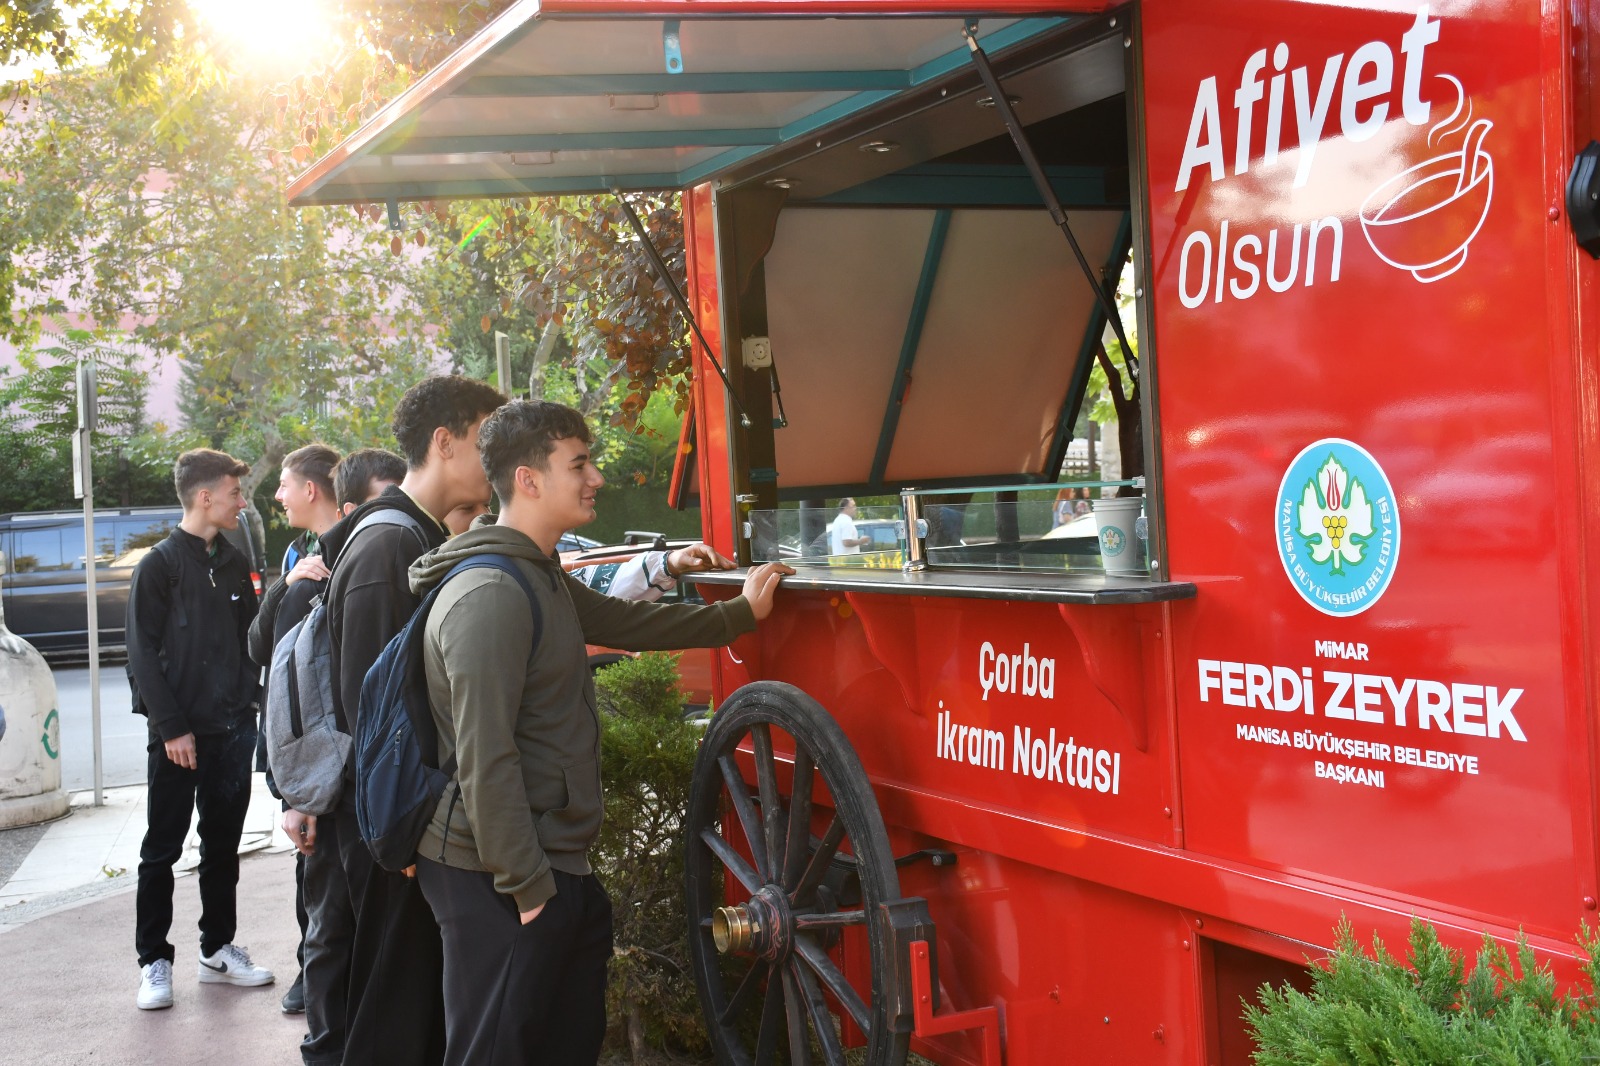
<point x="495" y="561"/>
<point x="389" y="516"/>
<point x="174" y="563"/>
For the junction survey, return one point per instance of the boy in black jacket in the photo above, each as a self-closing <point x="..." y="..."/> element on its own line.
<point x="190" y="605"/>
<point x="394" y="1013"/>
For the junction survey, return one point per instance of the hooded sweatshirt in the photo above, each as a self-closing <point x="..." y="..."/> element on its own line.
<point x="512" y="696"/>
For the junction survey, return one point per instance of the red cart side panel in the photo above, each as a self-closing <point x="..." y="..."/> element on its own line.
<point x="710" y="398"/>
<point x="1350" y="238"/>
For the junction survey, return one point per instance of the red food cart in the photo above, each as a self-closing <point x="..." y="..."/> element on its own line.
<point x="1014" y="795"/>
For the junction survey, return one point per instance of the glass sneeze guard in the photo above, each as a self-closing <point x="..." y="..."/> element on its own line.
<point x="1085" y="527"/>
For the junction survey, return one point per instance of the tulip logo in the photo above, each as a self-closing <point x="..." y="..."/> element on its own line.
<point x="1338" y="527"/>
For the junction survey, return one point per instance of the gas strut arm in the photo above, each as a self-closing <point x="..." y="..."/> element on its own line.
<point x="1030" y="160"/>
<point x="683" y="304"/>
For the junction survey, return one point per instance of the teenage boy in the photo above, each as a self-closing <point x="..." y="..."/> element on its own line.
<point x="330" y="929"/>
<point x="190" y="605"/>
<point x="526" y="925"/>
<point x="305" y="492"/>
<point x="363" y="474"/>
<point x="393" y="1015"/>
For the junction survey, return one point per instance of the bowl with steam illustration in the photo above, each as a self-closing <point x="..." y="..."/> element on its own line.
<point x="1423" y="219"/>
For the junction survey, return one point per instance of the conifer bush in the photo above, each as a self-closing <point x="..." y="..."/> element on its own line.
<point x="1376" y="1009"/>
<point x="647" y="753"/>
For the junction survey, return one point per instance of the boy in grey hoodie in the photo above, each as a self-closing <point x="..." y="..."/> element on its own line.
<point x="504" y="865"/>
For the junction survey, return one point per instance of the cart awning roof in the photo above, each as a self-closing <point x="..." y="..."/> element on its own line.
<point x="582" y="96"/>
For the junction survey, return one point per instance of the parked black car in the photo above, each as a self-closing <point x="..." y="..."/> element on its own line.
<point x="43" y="577"/>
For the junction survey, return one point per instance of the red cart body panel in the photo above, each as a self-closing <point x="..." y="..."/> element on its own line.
<point x="1371" y="348"/>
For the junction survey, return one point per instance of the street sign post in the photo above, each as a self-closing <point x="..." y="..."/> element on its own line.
<point x="83" y="487"/>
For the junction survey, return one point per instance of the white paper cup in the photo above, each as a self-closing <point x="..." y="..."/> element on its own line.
<point x="1121" y="550"/>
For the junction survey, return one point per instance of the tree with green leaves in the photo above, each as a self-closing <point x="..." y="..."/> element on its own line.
<point x="38" y="414"/>
<point x="288" y="326"/>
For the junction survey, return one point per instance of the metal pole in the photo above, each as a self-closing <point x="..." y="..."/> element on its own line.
<point x="89" y="562"/>
<point x="502" y="363"/>
<point x="83" y="476"/>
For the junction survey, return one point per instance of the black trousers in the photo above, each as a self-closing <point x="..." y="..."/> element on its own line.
<point x="301" y="915"/>
<point x="330" y="933"/>
<point x="516" y="994"/>
<point x="219" y="788"/>
<point x="395" y="1010"/>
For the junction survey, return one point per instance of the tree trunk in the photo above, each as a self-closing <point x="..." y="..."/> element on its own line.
<point x="541" y="355"/>
<point x="269" y="460"/>
<point x="636" y="1048"/>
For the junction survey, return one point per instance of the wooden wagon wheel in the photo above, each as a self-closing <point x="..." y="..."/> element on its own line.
<point x="762" y="965"/>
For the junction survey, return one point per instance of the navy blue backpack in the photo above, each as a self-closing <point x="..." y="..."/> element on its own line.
<point x="398" y="776"/>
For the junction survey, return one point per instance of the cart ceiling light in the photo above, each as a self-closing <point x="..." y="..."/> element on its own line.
<point x="662" y="95"/>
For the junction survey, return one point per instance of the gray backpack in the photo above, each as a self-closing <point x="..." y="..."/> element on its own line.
<point x="306" y="749"/>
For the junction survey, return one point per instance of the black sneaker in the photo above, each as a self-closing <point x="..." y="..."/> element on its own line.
<point x="294" y="1000"/>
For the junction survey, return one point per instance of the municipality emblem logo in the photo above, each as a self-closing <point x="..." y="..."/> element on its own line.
<point x="1112" y="542"/>
<point x="1338" y="527"/>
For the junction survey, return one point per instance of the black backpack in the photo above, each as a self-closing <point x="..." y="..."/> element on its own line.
<point x="398" y="776"/>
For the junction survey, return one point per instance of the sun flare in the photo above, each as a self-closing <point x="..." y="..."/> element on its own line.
<point x="277" y="33"/>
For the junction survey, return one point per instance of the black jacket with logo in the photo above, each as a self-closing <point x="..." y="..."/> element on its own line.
<point x="189" y="613"/>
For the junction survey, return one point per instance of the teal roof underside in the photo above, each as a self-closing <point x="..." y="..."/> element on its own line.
<point x="572" y="106"/>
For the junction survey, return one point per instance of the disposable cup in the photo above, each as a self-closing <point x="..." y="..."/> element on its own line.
<point x="1114" y="519"/>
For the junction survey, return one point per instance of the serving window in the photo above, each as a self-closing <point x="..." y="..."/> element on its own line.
<point x="920" y="336"/>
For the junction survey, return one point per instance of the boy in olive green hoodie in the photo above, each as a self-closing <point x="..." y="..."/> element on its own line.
<point x="504" y="865"/>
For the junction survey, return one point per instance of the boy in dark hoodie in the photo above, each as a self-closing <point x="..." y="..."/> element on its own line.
<point x="526" y="925"/>
<point x="389" y="1012"/>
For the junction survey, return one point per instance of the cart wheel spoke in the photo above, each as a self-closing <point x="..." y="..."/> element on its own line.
<point x="819" y="861"/>
<point x="746" y="810"/>
<point x="830" y="919"/>
<point x="731" y="859"/>
<point x="772" y="815"/>
<point x="794" y="850"/>
<point x="771" y="1011"/>
<point x="811" y="877"/>
<point x="741" y="995"/>
<point x="821" y="1020"/>
<point x="819" y="961"/>
<point x="799" y="1036"/>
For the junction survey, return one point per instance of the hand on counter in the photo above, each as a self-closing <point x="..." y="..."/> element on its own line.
<point x="761" y="584"/>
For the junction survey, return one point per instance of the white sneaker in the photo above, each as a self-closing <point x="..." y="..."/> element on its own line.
<point x="231" y="965"/>
<point x="155" y="986"/>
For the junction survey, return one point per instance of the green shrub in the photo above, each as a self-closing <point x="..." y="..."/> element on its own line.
<point x="1379" y="1010"/>
<point x="647" y="755"/>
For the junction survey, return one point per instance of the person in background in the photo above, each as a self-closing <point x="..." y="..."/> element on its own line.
<point x="305" y="492"/>
<point x="1061" y="510"/>
<point x="842" y="536"/>
<point x="526" y="925"/>
<point x="461" y="519"/>
<point x="363" y="474"/>
<point x="190" y="605"/>
<point x="330" y="930"/>
<point x="393" y="1014"/>
<point x="649" y="575"/>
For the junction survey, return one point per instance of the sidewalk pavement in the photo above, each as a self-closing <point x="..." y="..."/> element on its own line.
<point x="66" y="948"/>
<point x="95" y="850"/>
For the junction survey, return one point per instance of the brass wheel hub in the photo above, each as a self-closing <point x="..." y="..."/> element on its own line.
<point x="763" y="925"/>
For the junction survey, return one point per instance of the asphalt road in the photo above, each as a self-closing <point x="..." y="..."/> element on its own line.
<point x="123" y="733"/>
